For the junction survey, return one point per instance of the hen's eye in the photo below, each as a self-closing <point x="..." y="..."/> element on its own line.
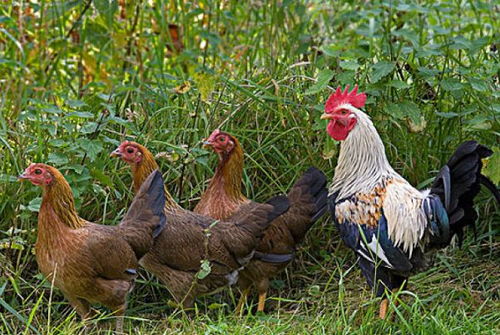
<point x="221" y="139"/>
<point x="130" y="150"/>
<point x="38" y="171"/>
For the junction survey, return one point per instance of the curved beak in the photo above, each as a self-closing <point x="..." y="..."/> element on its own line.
<point x="22" y="176"/>
<point x="327" y="116"/>
<point x="116" y="153"/>
<point x="207" y="143"/>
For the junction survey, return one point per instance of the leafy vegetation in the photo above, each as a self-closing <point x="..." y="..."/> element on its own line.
<point x="77" y="77"/>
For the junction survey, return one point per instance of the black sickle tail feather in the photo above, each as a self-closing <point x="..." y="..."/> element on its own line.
<point x="458" y="183"/>
<point x="308" y="198"/>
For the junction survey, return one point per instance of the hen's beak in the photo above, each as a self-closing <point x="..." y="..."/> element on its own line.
<point x="116" y="153"/>
<point x="207" y="143"/>
<point x="327" y="116"/>
<point x="22" y="176"/>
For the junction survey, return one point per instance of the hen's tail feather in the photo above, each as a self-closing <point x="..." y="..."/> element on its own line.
<point x="458" y="183"/>
<point x="156" y="195"/>
<point x="145" y="218"/>
<point x="280" y="205"/>
<point x="308" y="202"/>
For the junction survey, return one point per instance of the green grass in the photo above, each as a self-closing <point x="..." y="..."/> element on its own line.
<point x="77" y="79"/>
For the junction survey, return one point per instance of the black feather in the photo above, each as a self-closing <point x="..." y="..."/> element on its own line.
<point x="458" y="186"/>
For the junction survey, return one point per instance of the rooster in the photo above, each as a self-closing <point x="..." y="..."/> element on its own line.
<point x="192" y="239"/>
<point x="393" y="228"/>
<point x="93" y="263"/>
<point x="276" y="250"/>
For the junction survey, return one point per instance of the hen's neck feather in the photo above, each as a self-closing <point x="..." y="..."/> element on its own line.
<point x="141" y="172"/>
<point x="58" y="205"/>
<point x="229" y="175"/>
<point x="223" y="195"/>
<point x="362" y="161"/>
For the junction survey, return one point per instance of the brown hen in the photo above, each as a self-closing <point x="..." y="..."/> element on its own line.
<point x="191" y="239"/>
<point x="88" y="262"/>
<point x="276" y="250"/>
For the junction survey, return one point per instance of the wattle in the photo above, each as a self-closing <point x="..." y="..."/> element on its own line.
<point x="337" y="130"/>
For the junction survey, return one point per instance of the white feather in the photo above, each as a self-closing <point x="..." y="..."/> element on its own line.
<point x="377" y="249"/>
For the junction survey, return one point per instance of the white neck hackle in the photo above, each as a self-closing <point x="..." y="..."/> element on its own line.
<point x="362" y="162"/>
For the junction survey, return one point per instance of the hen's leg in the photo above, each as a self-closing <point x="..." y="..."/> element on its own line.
<point x="119" y="313"/>
<point x="242" y="301"/>
<point x="81" y="306"/>
<point x="262" y="288"/>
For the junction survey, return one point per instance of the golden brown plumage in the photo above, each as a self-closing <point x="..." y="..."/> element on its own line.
<point x="276" y="249"/>
<point x="93" y="263"/>
<point x="178" y="252"/>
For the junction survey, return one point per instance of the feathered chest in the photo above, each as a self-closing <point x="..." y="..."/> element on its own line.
<point x="362" y="207"/>
<point x="58" y="247"/>
<point x="393" y="203"/>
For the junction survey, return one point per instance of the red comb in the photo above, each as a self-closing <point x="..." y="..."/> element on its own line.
<point x="213" y="135"/>
<point x="339" y="98"/>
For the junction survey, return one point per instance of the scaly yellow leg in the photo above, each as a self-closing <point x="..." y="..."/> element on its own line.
<point x="384" y="305"/>
<point x="262" y="301"/>
<point x="242" y="301"/>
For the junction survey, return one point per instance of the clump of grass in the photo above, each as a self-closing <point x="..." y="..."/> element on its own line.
<point x="80" y="76"/>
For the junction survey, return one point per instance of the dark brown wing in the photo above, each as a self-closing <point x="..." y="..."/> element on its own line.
<point x="247" y="226"/>
<point x="190" y="238"/>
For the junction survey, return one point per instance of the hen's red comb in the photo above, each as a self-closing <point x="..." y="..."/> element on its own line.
<point x="213" y="135"/>
<point x="339" y="98"/>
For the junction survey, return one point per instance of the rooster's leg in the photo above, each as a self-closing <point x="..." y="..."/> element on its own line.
<point x="242" y="301"/>
<point x="383" y="308"/>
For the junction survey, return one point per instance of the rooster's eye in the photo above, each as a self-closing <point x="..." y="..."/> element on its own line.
<point x="130" y="150"/>
<point x="38" y="171"/>
<point x="343" y="112"/>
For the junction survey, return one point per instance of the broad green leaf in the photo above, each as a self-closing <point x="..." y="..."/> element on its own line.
<point x="100" y="176"/>
<point x="427" y="72"/>
<point x="478" y="84"/>
<point x="205" y="269"/>
<point x="491" y="167"/>
<point x="34" y="205"/>
<point x="91" y="147"/>
<point x="322" y="81"/>
<point x="349" y="65"/>
<point x="380" y="70"/>
<point x="75" y="103"/>
<point x="451" y="84"/>
<point x="89" y="128"/>
<point x="57" y="158"/>
<point x="398" y="84"/>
